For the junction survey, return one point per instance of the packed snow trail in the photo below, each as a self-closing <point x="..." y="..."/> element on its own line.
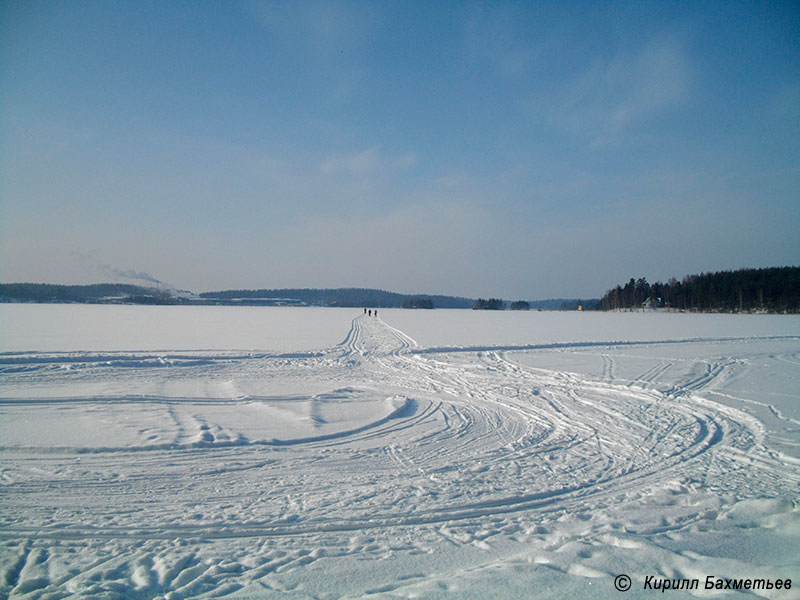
<point x="202" y="474"/>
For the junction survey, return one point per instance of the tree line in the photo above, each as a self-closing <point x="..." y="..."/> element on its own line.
<point x="774" y="289"/>
<point x="345" y="297"/>
<point x="490" y="304"/>
<point x="98" y="292"/>
<point x="418" y="303"/>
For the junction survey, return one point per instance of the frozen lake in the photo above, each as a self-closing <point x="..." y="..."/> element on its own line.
<point x="64" y="327"/>
<point x="248" y="452"/>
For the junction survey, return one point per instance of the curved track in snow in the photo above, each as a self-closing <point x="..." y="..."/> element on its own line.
<point x="318" y="450"/>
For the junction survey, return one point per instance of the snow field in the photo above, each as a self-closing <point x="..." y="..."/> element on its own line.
<point x="377" y="468"/>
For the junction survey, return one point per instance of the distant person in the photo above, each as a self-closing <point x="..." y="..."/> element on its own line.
<point x="370" y="312"/>
<point x="376" y="312"/>
<point x="365" y="311"/>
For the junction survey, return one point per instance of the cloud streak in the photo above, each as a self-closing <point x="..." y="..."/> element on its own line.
<point x="371" y="161"/>
<point x="616" y="94"/>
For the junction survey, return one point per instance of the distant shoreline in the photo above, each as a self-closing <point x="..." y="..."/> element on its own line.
<point x="114" y="293"/>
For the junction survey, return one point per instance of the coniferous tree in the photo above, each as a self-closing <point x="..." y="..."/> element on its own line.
<point x="773" y="290"/>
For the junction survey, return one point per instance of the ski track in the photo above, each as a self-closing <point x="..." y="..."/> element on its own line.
<point x="461" y="446"/>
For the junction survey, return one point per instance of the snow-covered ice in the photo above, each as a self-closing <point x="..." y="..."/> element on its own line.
<point x="319" y="453"/>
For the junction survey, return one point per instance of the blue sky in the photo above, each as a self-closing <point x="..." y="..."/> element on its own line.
<point x="521" y="150"/>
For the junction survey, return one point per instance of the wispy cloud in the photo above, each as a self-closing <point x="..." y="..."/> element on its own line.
<point x="452" y="180"/>
<point x="324" y="31"/>
<point x="360" y="163"/>
<point x="493" y="35"/>
<point x="371" y="161"/>
<point x="615" y="94"/>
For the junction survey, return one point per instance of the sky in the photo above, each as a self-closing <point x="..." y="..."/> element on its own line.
<point x="521" y="150"/>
